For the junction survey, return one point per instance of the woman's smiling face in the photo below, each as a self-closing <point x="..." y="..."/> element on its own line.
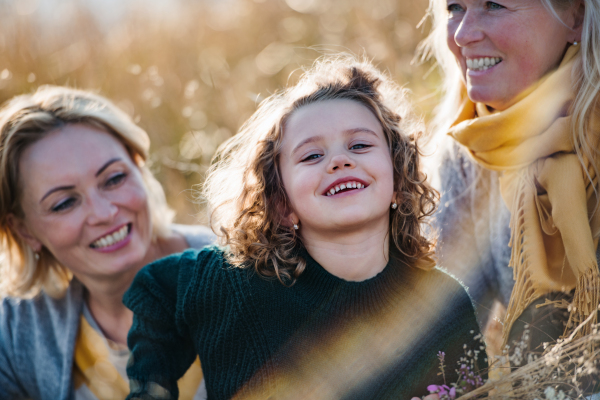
<point x="505" y="46"/>
<point x="336" y="168"/>
<point x="84" y="200"/>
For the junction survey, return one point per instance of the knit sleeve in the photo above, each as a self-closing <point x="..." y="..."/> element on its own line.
<point x="462" y="249"/>
<point x="161" y="346"/>
<point x="9" y="387"/>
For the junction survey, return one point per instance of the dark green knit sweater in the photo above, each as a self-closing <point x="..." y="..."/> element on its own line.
<point x="375" y="339"/>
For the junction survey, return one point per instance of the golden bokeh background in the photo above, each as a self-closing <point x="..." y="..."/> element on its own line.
<point x="191" y="72"/>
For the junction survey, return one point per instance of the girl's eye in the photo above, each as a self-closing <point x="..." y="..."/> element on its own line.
<point x="116" y="179"/>
<point x="311" y="157"/>
<point x="493" y="6"/>
<point x="359" y="146"/>
<point x="453" y="8"/>
<point x="64" y="205"/>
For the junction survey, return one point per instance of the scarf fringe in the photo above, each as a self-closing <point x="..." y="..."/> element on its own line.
<point x="523" y="292"/>
<point x="585" y="303"/>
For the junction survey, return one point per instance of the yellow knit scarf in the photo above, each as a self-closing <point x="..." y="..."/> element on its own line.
<point x="548" y="190"/>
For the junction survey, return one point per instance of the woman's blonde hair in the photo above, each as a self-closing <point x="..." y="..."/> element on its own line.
<point x="587" y="72"/>
<point x="28" y="118"/>
<point x="245" y="192"/>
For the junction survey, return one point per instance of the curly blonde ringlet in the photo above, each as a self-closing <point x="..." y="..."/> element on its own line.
<point x="25" y="120"/>
<point x="247" y="201"/>
<point x="587" y="73"/>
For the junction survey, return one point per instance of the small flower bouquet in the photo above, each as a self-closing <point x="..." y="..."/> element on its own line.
<point x="569" y="370"/>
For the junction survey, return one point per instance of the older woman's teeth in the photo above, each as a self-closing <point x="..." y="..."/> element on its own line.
<point x="481" y="64"/>
<point x="347" y="185"/>
<point x="112" y="238"/>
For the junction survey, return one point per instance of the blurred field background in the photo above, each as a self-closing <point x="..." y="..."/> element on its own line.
<point x="191" y="71"/>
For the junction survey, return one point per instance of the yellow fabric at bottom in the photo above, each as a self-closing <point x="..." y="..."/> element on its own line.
<point x="94" y="369"/>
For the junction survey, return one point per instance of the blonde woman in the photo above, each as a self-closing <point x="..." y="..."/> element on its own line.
<point x="80" y="214"/>
<point x="520" y="168"/>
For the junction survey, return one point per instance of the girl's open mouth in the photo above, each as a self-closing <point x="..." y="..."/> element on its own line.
<point x="344" y="187"/>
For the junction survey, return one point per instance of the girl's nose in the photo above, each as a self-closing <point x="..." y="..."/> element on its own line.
<point x="340" y="161"/>
<point x="470" y="30"/>
<point x="101" y="210"/>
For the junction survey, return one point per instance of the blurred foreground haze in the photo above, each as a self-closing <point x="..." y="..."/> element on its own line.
<point x="191" y="72"/>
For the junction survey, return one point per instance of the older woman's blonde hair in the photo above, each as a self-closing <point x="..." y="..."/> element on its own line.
<point x="585" y="104"/>
<point x="246" y="197"/>
<point x="28" y="118"/>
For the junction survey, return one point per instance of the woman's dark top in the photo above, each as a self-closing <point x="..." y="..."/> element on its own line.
<point x="257" y="338"/>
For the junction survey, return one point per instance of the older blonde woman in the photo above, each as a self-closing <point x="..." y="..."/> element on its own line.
<point x="80" y="214"/>
<point x="521" y="109"/>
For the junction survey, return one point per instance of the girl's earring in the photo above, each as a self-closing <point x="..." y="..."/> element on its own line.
<point x="36" y="255"/>
<point x="296" y="226"/>
<point x="394" y="206"/>
<point x="574" y="43"/>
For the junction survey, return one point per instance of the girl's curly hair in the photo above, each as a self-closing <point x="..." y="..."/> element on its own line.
<point x="245" y="193"/>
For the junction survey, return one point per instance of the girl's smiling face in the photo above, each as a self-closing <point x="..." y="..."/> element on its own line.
<point x="336" y="168"/>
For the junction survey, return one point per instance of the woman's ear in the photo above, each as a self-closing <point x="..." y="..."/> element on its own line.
<point x="20" y="228"/>
<point x="578" y="11"/>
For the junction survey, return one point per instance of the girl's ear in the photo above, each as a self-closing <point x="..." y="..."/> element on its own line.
<point x="20" y="228"/>
<point x="293" y="218"/>
<point x="287" y="216"/>
<point x="289" y="219"/>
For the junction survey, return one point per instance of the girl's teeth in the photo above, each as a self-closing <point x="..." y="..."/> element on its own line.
<point x="347" y="185"/>
<point x="483" y="63"/>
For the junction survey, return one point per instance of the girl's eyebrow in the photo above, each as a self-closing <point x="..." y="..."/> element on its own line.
<point x="316" y="138"/>
<point x="307" y="141"/>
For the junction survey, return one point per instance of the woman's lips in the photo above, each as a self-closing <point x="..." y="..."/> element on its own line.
<point x="113" y="241"/>
<point x="482" y="63"/>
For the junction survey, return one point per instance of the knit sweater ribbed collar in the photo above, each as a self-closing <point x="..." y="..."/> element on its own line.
<point x="320" y="286"/>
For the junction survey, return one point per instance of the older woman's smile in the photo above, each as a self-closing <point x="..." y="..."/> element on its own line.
<point x="482" y="63"/>
<point x="509" y="41"/>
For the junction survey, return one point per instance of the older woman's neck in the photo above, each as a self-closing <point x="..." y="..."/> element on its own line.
<point x="352" y="256"/>
<point x="105" y="302"/>
<point x="104" y="297"/>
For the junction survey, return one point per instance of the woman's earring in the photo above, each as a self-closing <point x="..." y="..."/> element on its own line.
<point x="36" y="255"/>
<point x="296" y="226"/>
<point x="394" y="206"/>
<point x="574" y="43"/>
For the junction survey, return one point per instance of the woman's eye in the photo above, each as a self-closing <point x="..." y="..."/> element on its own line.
<point x="452" y="8"/>
<point x="493" y="6"/>
<point x="64" y="205"/>
<point x="115" y="179"/>
<point x="311" y="157"/>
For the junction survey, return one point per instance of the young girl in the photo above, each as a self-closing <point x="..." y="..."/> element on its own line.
<point x="325" y="288"/>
